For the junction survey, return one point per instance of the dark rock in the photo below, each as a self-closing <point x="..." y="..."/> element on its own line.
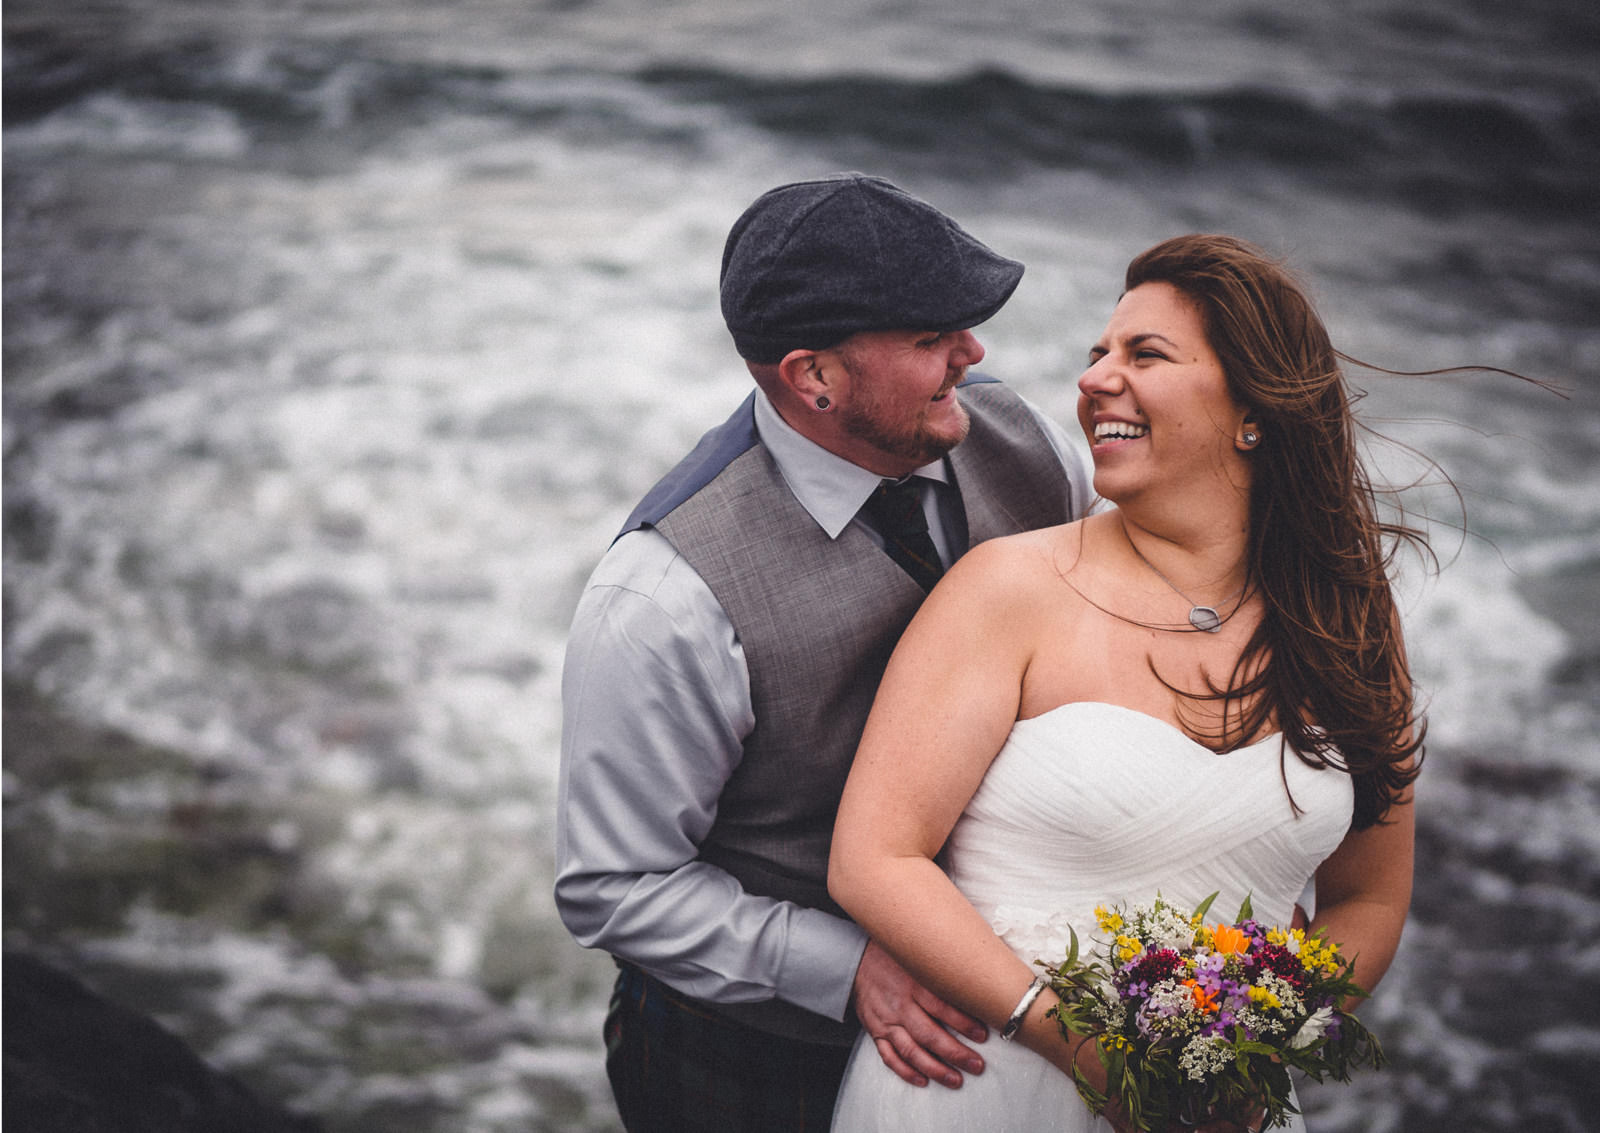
<point x="76" y="1062"/>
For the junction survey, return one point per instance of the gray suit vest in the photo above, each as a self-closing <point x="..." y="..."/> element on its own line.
<point x="818" y="619"/>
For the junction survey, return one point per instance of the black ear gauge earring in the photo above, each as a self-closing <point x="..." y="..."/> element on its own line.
<point x="823" y="402"/>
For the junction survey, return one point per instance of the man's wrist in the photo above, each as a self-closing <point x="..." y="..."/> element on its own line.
<point x="820" y="962"/>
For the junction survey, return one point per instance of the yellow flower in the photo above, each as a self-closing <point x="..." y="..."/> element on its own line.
<point x="1128" y="947"/>
<point x="1291" y="939"/>
<point x="1110" y="920"/>
<point x="1317" y="953"/>
<point x="1260" y="995"/>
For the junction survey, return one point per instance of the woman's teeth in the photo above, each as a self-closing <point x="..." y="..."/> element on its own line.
<point x="1118" y="431"/>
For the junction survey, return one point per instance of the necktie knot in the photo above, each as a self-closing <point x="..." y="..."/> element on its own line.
<point x="896" y="511"/>
<point x="897" y="506"/>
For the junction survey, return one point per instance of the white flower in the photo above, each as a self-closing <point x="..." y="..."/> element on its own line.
<point x="1109" y="1006"/>
<point x="1260" y="1023"/>
<point x="1204" y="1057"/>
<point x="1165" y="927"/>
<point x="1311" y="1030"/>
<point x="1289" y="1002"/>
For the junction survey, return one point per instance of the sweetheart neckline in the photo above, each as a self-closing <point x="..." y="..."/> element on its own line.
<point x="1168" y="724"/>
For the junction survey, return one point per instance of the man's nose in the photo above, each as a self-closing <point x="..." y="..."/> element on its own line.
<point x="968" y="349"/>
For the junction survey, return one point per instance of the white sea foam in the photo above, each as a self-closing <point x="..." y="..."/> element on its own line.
<point x="109" y="122"/>
<point x="1482" y="656"/>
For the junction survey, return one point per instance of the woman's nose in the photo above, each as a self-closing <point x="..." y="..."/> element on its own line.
<point x="1102" y="377"/>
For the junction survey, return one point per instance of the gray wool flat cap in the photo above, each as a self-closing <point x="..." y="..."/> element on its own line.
<point x="810" y="264"/>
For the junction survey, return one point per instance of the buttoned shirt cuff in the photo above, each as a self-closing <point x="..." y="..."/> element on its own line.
<point x="822" y="949"/>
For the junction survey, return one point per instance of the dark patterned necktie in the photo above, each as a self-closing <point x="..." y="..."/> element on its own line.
<point x="896" y="511"/>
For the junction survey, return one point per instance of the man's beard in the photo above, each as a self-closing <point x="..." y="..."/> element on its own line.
<point x="912" y="441"/>
<point x="870" y="421"/>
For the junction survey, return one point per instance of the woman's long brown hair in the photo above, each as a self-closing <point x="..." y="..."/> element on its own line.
<point x="1326" y="665"/>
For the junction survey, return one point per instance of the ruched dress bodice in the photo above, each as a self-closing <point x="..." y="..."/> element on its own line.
<point x="1091" y="804"/>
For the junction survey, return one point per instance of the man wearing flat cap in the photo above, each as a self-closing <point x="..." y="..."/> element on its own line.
<point x="725" y="654"/>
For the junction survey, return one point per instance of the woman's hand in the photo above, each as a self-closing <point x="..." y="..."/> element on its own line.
<point x="1079" y="1052"/>
<point x="1224" y="1125"/>
<point x="1119" y="1121"/>
<point x="1212" y="1125"/>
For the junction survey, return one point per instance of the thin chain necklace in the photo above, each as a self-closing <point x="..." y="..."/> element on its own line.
<point x="1203" y="618"/>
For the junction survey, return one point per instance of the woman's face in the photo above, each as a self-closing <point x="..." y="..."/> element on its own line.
<point x="1154" y="403"/>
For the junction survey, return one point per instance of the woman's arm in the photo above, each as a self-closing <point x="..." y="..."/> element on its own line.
<point x="1364" y="887"/>
<point x="1364" y="892"/>
<point x="944" y="709"/>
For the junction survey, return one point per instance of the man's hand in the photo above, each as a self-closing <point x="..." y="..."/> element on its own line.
<point x="907" y="1023"/>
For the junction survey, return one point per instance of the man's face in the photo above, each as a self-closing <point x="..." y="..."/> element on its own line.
<point x="900" y="401"/>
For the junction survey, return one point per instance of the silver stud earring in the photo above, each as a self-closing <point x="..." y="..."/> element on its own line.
<point x="1251" y="439"/>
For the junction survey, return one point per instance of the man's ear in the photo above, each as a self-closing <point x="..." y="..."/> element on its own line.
<point x="809" y="375"/>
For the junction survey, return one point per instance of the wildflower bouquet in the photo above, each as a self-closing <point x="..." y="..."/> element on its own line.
<point x="1193" y="1020"/>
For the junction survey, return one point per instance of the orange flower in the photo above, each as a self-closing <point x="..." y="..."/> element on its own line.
<point x="1226" y="939"/>
<point x="1204" y="1000"/>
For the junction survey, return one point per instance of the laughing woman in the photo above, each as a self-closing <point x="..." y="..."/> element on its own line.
<point x="1201" y="690"/>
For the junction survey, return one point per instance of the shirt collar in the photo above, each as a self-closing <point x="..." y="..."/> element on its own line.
<point x="828" y="486"/>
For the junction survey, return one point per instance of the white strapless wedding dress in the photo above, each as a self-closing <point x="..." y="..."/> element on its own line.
<point x="1094" y="804"/>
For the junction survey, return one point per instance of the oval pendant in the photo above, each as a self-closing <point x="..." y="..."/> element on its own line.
<point x="1205" y="619"/>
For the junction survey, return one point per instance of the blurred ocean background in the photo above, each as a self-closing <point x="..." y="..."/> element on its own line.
<point x="340" y="335"/>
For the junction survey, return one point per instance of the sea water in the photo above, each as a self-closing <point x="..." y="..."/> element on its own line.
<point x="340" y="336"/>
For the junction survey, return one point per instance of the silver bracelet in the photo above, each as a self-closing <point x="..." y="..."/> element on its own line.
<point x="1014" y="1024"/>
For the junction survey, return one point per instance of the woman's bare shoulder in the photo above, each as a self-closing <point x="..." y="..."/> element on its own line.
<point x="1011" y="579"/>
<point x="1045" y="551"/>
